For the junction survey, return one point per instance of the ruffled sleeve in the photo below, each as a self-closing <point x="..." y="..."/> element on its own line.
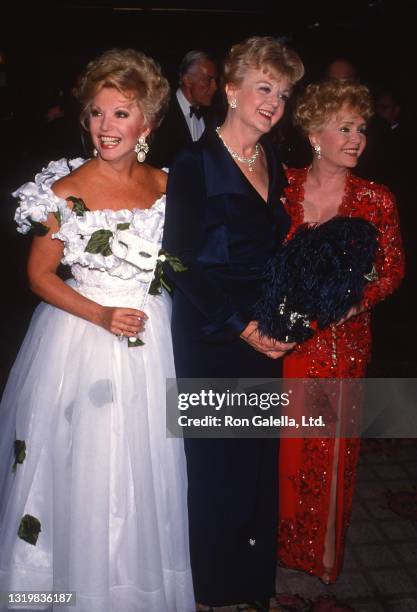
<point x="37" y="200"/>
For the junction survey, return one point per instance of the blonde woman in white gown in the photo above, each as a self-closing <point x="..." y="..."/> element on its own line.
<point x="92" y="493"/>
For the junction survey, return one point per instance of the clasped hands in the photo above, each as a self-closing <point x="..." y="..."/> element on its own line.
<point x="273" y="348"/>
<point x="264" y="344"/>
<point x="352" y="312"/>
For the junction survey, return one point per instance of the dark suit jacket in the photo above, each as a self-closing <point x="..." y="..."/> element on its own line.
<point x="224" y="232"/>
<point x="172" y="136"/>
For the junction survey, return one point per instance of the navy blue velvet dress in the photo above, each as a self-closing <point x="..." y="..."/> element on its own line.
<point x="224" y="233"/>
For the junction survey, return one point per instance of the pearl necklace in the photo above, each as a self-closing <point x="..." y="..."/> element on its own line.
<point x="243" y="160"/>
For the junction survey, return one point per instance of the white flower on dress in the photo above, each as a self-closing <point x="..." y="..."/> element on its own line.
<point x="36" y="198"/>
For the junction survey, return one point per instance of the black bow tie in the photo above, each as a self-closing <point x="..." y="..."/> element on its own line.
<point x="195" y="110"/>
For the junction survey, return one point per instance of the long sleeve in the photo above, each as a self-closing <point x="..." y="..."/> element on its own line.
<point x="389" y="262"/>
<point x="186" y="235"/>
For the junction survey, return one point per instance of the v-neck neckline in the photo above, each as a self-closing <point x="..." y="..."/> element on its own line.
<point x="264" y="202"/>
<point x="247" y="181"/>
<point x="224" y="176"/>
<point x="301" y="197"/>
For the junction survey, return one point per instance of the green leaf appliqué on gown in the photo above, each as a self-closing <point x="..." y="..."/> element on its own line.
<point x="99" y="243"/>
<point x="19" y="453"/>
<point x="38" y="229"/>
<point x="79" y="207"/>
<point x="29" y="529"/>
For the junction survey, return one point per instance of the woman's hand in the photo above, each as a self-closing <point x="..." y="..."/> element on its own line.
<point x="352" y="312"/>
<point x="122" y="321"/>
<point x="264" y="344"/>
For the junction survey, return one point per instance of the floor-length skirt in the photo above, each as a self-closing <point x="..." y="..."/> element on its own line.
<point x="93" y="494"/>
<point x="317" y="479"/>
<point x="232" y="483"/>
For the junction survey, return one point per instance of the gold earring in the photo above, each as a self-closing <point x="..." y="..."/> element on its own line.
<point x="141" y="149"/>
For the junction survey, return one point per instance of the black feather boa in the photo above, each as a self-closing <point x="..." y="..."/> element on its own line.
<point x="317" y="276"/>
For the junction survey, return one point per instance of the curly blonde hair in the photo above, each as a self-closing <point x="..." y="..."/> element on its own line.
<point x="128" y="71"/>
<point x="265" y="53"/>
<point x="322" y="101"/>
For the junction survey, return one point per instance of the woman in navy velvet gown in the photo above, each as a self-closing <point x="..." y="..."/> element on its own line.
<point x="224" y="219"/>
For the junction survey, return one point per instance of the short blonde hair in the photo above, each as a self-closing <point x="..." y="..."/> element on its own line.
<point x="264" y="53"/>
<point x="322" y="101"/>
<point x="127" y="71"/>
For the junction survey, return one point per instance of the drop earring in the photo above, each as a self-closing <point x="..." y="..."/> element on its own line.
<point x="317" y="151"/>
<point x="141" y="149"/>
<point x="95" y="152"/>
<point x="233" y="103"/>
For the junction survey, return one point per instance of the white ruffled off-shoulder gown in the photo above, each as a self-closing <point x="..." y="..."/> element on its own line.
<point x="93" y="494"/>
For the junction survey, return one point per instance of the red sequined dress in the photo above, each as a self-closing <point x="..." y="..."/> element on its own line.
<point x="343" y="351"/>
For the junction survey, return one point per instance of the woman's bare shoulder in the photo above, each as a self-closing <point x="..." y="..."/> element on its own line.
<point x="157" y="178"/>
<point x="70" y="184"/>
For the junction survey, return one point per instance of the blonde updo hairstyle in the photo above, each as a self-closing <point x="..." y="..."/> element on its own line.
<point x="263" y="53"/>
<point x="322" y="101"/>
<point x="133" y="74"/>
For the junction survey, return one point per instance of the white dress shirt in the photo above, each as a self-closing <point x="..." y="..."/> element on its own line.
<point x="196" y="126"/>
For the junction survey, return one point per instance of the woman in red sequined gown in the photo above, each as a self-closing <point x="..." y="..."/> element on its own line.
<point x="317" y="476"/>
